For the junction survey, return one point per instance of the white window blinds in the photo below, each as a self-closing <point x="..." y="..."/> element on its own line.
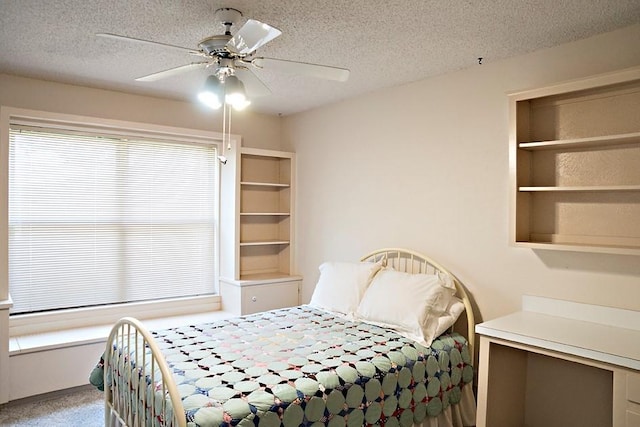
<point x="97" y="220"/>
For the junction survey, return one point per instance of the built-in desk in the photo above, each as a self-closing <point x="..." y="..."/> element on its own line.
<point x="559" y="363"/>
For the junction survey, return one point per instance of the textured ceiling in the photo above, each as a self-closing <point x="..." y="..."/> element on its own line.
<point x="383" y="42"/>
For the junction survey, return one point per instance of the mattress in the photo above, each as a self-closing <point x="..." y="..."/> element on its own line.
<point x="300" y="366"/>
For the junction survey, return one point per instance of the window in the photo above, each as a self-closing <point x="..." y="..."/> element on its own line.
<point x="99" y="219"/>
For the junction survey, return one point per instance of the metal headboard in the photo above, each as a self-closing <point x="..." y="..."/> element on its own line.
<point x="416" y="263"/>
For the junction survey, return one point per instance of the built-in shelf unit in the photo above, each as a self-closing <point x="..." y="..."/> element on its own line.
<point x="261" y="274"/>
<point x="575" y="165"/>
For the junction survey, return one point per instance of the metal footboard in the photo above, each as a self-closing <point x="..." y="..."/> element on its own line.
<point x="139" y="387"/>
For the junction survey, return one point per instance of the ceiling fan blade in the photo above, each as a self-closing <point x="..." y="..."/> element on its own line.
<point x="303" y="68"/>
<point x="149" y="42"/>
<point x="251" y="36"/>
<point x="171" y="72"/>
<point x="254" y="86"/>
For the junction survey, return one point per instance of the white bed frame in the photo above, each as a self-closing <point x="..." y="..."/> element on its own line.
<point x="121" y="410"/>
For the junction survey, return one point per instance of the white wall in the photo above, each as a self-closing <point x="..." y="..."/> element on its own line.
<point x="425" y="166"/>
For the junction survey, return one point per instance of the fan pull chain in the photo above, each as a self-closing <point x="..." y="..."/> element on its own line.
<point x="226" y="126"/>
<point x="224" y="122"/>
<point x="229" y="132"/>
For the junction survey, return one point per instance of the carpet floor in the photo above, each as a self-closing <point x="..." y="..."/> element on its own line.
<point x="81" y="406"/>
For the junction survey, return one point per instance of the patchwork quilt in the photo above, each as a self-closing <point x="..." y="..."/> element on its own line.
<point x="302" y="366"/>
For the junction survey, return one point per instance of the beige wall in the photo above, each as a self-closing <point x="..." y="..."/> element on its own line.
<point x="425" y="166"/>
<point x="257" y="130"/>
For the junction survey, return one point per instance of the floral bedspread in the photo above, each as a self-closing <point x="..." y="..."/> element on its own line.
<point x="300" y="366"/>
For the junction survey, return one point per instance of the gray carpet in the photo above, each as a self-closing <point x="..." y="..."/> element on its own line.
<point x="81" y="406"/>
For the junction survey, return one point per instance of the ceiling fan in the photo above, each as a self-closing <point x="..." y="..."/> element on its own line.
<point x="231" y="56"/>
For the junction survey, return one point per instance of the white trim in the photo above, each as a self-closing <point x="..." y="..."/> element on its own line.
<point x="113" y="127"/>
<point x="4" y="355"/>
<point x="599" y="80"/>
<point x="6" y="304"/>
<point x="5" y="114"/>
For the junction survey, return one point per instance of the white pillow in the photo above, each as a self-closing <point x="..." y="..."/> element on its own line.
<point x="450" y="316"/>
<point x="408" y="303"/>
<point x="342" y="285"/>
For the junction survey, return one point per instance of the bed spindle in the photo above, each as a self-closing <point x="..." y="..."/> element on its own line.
<point x="133" y="400"/>
<point x="143" y="386"/>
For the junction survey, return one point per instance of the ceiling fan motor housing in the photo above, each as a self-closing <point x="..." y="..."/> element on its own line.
<point x="215" y="45"/>
<point x="228" y="16"/>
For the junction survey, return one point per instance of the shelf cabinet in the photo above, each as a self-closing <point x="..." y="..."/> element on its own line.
<point x="259" y="231"/>
<point x="265" y="213"/>
<point x="575" y="165"/>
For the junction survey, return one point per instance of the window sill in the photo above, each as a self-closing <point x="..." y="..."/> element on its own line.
<point x="31" y="343"/>
<point x="6" y="304"/>
<point x="81" y="318"/>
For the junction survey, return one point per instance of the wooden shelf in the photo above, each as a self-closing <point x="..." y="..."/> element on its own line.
<point x="574" y="247"/>
<point x="582" y="188"/>
<point x="596" y="141"/>
<point x="265" y="184"/>
<point x="575" y="156"/>
<point x="264" y="242"/>
<point x="265" y="213"/>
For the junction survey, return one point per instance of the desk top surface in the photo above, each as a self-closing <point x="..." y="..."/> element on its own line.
<point x="605" y="343"/>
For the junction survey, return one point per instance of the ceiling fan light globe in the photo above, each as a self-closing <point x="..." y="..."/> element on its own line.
<point x="210" y="93"/>
<point x="236" y="98"/>
<point x="210" y="99"/>
<point x="232" y="84"/>
<point x="234" y="92"/>
<point x="239" y="106"/>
